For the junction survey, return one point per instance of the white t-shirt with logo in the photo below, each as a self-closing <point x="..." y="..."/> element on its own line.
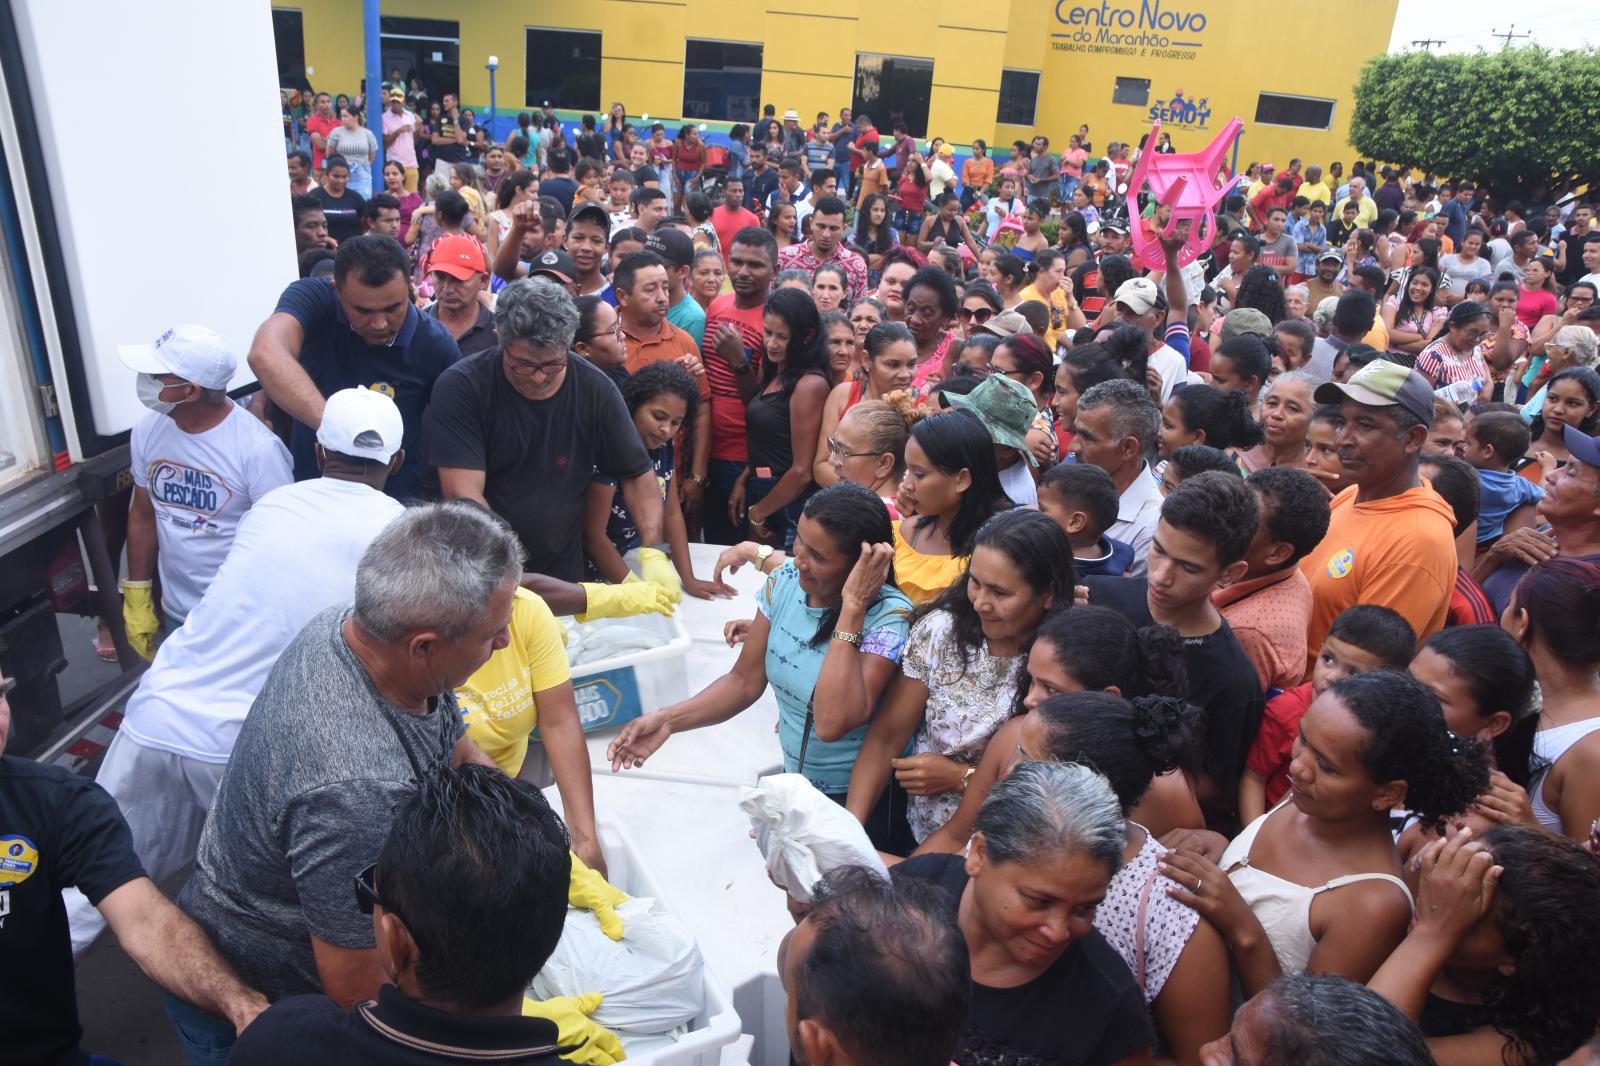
<point x="294" y="556"/>
<point x="201" y="484"/>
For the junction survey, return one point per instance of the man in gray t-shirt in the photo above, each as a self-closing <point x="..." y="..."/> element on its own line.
<point x="356" y="709"/>
<point x="1043" y="170"/>
<point x="304" y="805"/>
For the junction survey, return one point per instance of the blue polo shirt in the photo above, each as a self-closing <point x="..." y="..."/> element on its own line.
<point x="336" y="358"/>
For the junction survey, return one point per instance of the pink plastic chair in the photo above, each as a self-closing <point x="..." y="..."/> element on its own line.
<point x="1186" y="183"/>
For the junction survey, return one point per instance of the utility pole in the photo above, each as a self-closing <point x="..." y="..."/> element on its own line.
<point x="1507" y="37"/>
<point x="1427" y="44"/>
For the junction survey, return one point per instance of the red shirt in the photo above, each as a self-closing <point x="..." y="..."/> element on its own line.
<point x="801" y="257"/>
<point x="1269" y="755"/>
<point x="867" y="141"/>
<point x="727" y="409"/>
<point x="727" y="223"/>
<point x="317" y="124"/>
<point x="1468" y="604"/>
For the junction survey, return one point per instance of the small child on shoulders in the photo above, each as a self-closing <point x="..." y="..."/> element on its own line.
<point x="1496" y="442"/>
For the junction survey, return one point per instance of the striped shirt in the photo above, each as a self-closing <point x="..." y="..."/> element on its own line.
<point x="1469" y="606"/>
<point x="1442" y="366"/>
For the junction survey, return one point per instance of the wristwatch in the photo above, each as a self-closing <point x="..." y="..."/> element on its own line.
<point x="763" y="553"/>
<point x="848" y="638"/>
<point x="966" y="778"/>
<point x="700" y="479"/>
<point x="743" y="368"/>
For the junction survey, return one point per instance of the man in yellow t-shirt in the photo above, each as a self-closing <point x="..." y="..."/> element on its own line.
<point x="1050" y="289"/>
<point x="528" y="684"/>
<point x="1366" y="206"/>
<point x="1314" y="189"/>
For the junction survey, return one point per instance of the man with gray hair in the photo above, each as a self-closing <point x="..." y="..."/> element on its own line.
<point x="523" y="429"/>
<point x="357" y="708"/>
<point x="1116" y="429"/>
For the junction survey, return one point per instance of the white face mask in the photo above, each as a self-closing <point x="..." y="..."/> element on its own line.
<point x="150" y="388"/>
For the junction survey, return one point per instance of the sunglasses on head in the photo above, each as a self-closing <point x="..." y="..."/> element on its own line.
<point x="366" y="885"/>
<point x="977" y="314"/>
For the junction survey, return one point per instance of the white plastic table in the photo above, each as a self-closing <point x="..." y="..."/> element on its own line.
<point x="682" y="810"/>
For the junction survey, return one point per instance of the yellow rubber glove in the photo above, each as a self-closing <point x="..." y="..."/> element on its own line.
<point x="571" y="1015"/>
<point x="139" y="617"/>
<point x="588" y="891"/>
<point x="629" y="598"/>
<point x="656" y="568"/>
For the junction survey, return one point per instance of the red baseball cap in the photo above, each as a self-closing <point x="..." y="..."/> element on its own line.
<point x="458" y="255"/>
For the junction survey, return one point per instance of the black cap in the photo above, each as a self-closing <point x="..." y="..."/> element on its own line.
<point x="672" y="245"/>
<point x="591" y="211"/>
<point x="556" y="263"/>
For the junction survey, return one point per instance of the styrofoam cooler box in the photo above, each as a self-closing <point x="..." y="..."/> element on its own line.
<point x="611" y="692"/>
<point x="717" y="1025"/>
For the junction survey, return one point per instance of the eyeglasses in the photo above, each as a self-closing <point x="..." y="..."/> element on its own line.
<point x="615" y="331"/>
<point x="976" y="314"/>
<point x="835" y="448"/>
<point x="1476" y="335"/>
<point x="535" y="370"/>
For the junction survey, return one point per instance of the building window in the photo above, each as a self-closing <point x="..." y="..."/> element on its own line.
<point x="427" y="51"/>
<point x="289" y="37"/>
<point x="1019" y="92"/>
<point x="1307" y="112"/>
<point x="721" y="80"/>
<point x="890" y="89"/>
<point x="1135" y="91"/>
<point x="563" y="69"/>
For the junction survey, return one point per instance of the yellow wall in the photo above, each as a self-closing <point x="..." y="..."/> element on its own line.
<point x="810" y="50"/>
<point x="1241" y="51"/>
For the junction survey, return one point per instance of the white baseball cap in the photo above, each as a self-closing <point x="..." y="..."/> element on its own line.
<point x="193" y="353"/>
<point x="1139" y="294"/>
<point x="361" y="423"/>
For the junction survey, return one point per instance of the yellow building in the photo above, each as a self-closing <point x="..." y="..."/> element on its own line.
<point x="959" y="69"/>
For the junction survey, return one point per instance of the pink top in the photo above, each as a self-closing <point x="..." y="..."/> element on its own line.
<point x="933" y="370"/>
<point x="1534" y="304"/>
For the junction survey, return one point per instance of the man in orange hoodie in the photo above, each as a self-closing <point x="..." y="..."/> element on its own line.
<point x="1389" y="539"/>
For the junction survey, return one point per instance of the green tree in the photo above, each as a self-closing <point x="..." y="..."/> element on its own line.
<point x="1511" y="119"/>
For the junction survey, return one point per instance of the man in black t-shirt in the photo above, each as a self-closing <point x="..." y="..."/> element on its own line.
<point x="60" y="830"/>
<point x="524" y="428"/>
<point x="1200" y="543"/>
<point x="450" y="139"/>
<point x="763" y="179"/>
<point x="467" y="897"/>
<point x="1579" y="226"/>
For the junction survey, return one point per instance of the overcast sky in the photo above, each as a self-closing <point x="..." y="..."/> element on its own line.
<point x="1467" y="25"/>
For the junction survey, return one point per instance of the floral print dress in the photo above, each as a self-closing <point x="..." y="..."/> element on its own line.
<point x="966" y="704"/>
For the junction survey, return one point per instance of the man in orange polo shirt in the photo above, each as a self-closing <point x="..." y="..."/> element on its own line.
<point x="644" y="295"/>
<point x="1391" y="538"/>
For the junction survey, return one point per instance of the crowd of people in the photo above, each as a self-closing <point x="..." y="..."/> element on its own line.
<point x="1212" y="652"/>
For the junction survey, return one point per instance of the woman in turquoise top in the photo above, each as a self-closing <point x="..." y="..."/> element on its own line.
<point x="827" y="636"/>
